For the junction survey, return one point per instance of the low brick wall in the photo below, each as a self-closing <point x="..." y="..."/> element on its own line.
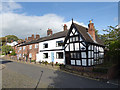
<point x="86" y="71"/>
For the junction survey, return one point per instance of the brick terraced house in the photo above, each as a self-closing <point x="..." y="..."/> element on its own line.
<point x="27" y="49"/>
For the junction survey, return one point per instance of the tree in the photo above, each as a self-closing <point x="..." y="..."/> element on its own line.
<point x="3" y="41"/>
<point x="6" y="49"/>
<point x="13" y="53"/>
<point x="11" y="37"/>
<point x="112" y="41"/>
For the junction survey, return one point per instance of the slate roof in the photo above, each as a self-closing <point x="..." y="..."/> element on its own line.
<point x="82" y="30"/>
<point x="53" y="36"/>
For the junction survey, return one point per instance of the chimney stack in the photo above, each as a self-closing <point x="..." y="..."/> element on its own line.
<point x="91" y="29"/>
<point x="29" y="38"/>
<point x="65" y="27"/>
<point x="37" y="36"/>
<point x="32" y="37"/>
<point x="49" y="32"/>
<point x="26" y="39"/>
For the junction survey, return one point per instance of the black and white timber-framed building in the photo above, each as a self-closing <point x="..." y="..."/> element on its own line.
<point x="82" y="46"/>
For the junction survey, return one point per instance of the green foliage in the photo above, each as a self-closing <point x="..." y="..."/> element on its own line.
<point x="45" y="62"/>
<point x="96" y="32"/>
<point x="111" y="36"/>
<point x="11" y="37"/>
<point x="6" y="49"/>
<point x="13" y="53"/>
<point x="32" y="60"/>
<point x="112" y="41"/>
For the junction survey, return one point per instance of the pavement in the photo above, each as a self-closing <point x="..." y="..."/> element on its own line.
<point x="30" y="75"/>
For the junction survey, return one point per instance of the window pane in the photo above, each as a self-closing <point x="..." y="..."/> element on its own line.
<point x="59" y="55"/>
<point x="83" y="62"/>
<point x="71" y="47"/>
<point x="76" y="38"/>
<point x="78" y="62"/>
<point x="73" y="39"/>
<point x="59" y="43"/>
<point x="72" y="62"/>
<point x="83" y="54"/>
<point x="76" y="46"/>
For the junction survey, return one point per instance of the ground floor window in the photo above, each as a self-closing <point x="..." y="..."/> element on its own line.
<point x="30" y="55"/>
<point x="45" y="55"/>
<point x="78" y="62"/>
<point x="59" y="55"/>
<point x="72" y="62"/>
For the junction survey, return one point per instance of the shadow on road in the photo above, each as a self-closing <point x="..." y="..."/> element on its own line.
<point x="4" y="62"/>
<point x="65" y="80"/>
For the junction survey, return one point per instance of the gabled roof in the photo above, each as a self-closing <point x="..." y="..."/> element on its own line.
<point x="84" y="32"/>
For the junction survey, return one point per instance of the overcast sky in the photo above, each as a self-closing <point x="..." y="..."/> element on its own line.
<point x="25" y="18"/>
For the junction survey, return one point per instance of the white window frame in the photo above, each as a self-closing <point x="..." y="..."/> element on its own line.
<point x="30" y="55"/>
<point x="30" y="47"/>
<point x="36" y="45"/>
<point x="24" y="47"/>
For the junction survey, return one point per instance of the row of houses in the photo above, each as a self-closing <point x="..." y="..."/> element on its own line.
<point x="78" y="46"/>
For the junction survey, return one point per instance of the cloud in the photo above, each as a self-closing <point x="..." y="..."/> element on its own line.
<point x="9" y="6"/>
<point x="23" y="25"/>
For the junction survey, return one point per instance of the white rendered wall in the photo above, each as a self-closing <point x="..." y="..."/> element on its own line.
<point x="51" y="46"/>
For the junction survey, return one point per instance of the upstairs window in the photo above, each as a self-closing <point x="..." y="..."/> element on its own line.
<point x="20" y="48"/>
<point x="30" y="47"/>
<point x="45" y="45"/>
<point x="24" y="48"/>
<point x="45" y="55"/>
<point x="36" y="45"/>
<point x="59" y="55"/>
<point x="59" y="43"/>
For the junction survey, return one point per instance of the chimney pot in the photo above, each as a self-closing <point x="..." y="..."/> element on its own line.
<point x="49" y="32"/>
<point x="65" y="27"/>
<point x="32" y="38"/>
<point x="37" y="36"/>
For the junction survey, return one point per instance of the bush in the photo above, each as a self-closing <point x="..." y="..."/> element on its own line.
<point x="32" y="60"/>
<point x="56" y="64"/>
<point x="45" y="62"/>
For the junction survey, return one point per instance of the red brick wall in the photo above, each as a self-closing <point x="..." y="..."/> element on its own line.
<point x="27" y="50"/>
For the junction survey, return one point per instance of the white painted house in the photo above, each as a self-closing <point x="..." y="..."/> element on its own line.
<point x="51" y="47"/>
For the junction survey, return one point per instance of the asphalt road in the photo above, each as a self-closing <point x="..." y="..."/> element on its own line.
<point x="54" y="78"/>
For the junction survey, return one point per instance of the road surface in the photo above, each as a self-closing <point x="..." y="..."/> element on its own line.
<point x="41" y="77"/>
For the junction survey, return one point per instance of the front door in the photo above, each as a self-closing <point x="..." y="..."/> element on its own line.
<point x="67" y="58"/>
<point x="52" y="56"/>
